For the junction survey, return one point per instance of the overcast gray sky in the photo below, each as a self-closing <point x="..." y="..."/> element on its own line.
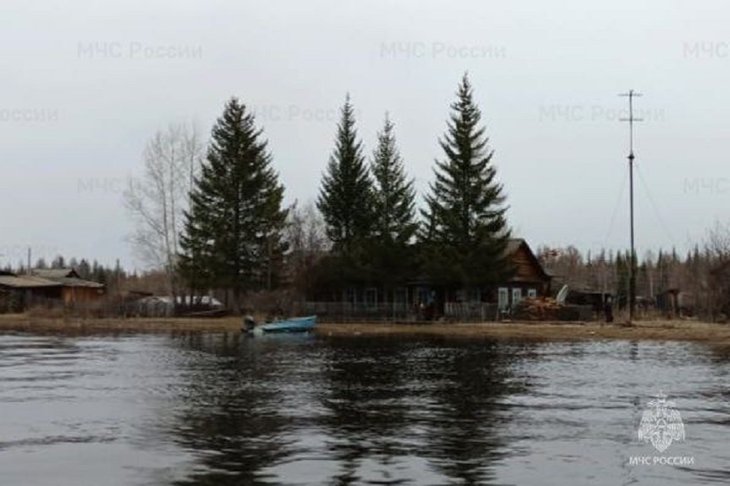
<point x="85" y="83"/>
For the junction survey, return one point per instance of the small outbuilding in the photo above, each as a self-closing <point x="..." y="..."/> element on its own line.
<point x="74" y="289"/>
<point x="46" y="286"/>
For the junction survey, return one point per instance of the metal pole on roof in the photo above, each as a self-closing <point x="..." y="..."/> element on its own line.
<point x="632" y="263"/>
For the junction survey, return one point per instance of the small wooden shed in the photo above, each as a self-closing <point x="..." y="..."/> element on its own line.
<point x="74" y="289"/>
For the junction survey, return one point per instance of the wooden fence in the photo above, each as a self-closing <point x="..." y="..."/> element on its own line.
<point x="400" y="312"/>
<point x="351" y="312"/>
<point x="471" y="311"/>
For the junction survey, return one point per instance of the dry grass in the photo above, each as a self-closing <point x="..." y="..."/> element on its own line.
<point x="75" y="325"/>
<point x="545" y="331"/>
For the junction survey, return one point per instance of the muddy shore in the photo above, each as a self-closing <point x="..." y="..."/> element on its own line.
<point x="546" y="331"/>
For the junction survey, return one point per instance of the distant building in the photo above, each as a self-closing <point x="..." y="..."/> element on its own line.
<point x="47" y="286"/>
<point x="74" y="289"/>
<point x="23" y="288"/>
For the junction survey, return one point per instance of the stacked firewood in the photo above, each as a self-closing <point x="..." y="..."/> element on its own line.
<point x="538" y="309"/>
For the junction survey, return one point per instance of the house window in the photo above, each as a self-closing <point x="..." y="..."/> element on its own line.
<point x="532" y="293"/>
<point x="516" y="296"/>
<point x="502" y="298"/>
<point x="475" y="295"/>
<point x="350" y="295"/>
<point x="400" y="298"/>
<point x="371" y="297"/>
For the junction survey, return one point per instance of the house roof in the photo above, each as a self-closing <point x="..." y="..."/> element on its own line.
<point x="53" y="277"/>
<point x="26" y="282"/>
<point x="68" y="277"/>
<point x="515" y="244"/>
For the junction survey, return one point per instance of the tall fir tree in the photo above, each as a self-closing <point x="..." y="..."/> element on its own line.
<point x="346" y="196"/>
<point x="394" y="196"/>
<point x="466" y="232"/>
<point x="394" y="224"/>
<point x="232" y="238"/>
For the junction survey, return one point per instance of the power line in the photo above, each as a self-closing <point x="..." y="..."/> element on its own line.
<point x="655" y="207"/>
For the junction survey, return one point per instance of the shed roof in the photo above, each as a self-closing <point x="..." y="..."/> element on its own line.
<point x="68" y="277"/>
<point x="51" y="277"/>
<point x="26" y="282"/>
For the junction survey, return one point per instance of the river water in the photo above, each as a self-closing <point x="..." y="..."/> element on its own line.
<point x="221" y="409"/>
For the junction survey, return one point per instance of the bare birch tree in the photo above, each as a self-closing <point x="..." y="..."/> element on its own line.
<point x="157" y="198"/>
<point x="306" y="234"/>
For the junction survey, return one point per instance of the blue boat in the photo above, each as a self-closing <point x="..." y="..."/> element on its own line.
<point x="295" y="324"/>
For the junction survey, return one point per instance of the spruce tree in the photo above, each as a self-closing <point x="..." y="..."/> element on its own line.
<point x="345" y="198"/>
<point x="391" y="252"/>
<point x="394" y="196"/>
<point x="198" y="264"/>
<point x="466" y="231"/>
<point x="233" y="231"/>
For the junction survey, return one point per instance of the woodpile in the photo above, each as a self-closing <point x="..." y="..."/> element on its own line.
<point x="539" y="309"/>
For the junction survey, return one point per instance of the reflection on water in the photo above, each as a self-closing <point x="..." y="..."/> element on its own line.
<point x="217" y="409"/>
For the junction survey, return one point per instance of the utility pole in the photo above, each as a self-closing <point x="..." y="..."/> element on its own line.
<point x="632" y="264"/>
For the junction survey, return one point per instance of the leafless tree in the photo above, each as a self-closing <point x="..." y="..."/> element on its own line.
<point x="718" y="241"/>
<point x="308" y="242"/>
<point x="717" y="275"/>
<point x="157" y="198"/>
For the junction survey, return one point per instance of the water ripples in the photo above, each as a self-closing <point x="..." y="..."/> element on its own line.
<point x="225" y="409"/>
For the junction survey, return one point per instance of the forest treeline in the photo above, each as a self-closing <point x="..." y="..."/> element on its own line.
<point x="700" y="277"/>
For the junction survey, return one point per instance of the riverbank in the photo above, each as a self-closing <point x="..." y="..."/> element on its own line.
<point x="546" y="331"/>
<point x="76" y="325"/>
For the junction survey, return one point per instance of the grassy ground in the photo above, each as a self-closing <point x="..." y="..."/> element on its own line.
<point x="548" y="331"/>
<point x="72" y="325"/>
